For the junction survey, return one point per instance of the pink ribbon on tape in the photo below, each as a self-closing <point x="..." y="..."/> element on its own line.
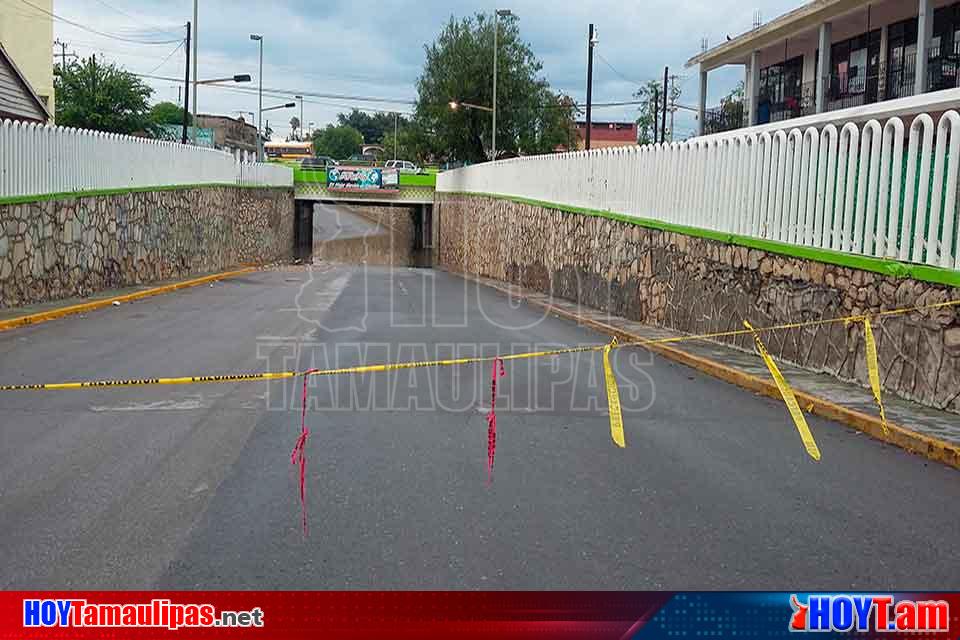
<point x="298" y="456"/>
<point x="492" y="416"/>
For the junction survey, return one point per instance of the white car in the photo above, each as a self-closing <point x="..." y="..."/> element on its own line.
<point x="404" y="166"/>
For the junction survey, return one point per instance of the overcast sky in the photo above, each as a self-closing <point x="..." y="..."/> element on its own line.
<point x="375" y="49"/>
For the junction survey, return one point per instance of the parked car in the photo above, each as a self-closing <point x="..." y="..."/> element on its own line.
<point x="364" y="159"/>
<point x="318" y="162"/>
<point x="405" y="166"/>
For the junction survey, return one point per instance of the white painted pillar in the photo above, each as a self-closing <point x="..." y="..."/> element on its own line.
<point x="754" y="96"/>
<point x="924" y="35"/>
<point x="823" y="67"/>
<point x="882" y="80"/>
<point x="702" y="106"/>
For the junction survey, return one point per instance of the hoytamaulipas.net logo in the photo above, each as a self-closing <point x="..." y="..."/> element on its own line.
<point x="158" y="612"/>
<point x="868" y="613"/>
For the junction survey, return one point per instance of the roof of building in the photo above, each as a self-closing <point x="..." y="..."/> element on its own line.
<point x="18" y="100"/>
<point x="605" y="123"/>
<point x="616" y="132"/>
<point x="808" y="16"/>
<point x="214" y="116"/>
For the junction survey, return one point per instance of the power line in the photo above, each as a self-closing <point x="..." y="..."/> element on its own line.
<point x="169" y="55"/>
<point x="132" y="17"/>
<point x="612" y="68"/>
<point x="299" y="92"/>
<point x="92" y="30"/>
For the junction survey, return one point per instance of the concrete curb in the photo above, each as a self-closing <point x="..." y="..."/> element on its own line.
<point x="931" y="448"/>
<point x="53" y="314"/>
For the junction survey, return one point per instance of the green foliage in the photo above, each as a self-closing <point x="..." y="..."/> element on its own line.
<point x="413" y="144"/>
<point x="168" y="113"/>
<point x="372" y="127"/>
<point x="732" y="104"/>
<point x="295" y="133"/>
<point x="103" y="97"/>
<point x="459" y="67"/>
<point x="645" y="121"/>
<point x="337" y="141"/>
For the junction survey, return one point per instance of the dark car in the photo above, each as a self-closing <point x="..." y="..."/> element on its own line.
<point x="318" y="162"/>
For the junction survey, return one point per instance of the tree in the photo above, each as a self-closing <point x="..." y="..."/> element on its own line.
<point x="294" y="128"/>
<point x="648" y="111"/>
<point x="337" y="141"/>
<point x="413" y="143"/>
<point x="104" y="97"/>
<point x="731" y="107"/>
<point x="372" y="127"/>
<point x="458" y="67"/>
<point x="168" y="113"/>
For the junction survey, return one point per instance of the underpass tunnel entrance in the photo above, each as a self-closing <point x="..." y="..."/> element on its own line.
<point x="361" y="233"/>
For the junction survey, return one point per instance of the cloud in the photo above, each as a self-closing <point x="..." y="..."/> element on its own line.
<point x="376" y="49"/>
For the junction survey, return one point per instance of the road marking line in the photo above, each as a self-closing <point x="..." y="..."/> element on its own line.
<point x="45" y="316"/>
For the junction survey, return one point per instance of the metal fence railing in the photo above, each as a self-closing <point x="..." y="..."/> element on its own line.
<point x="43" y="159"/>
<point x="860" y="181"/>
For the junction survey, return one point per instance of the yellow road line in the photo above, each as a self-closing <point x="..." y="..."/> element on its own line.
<point x="932" y="448"/>
<point x="52" y="314"/>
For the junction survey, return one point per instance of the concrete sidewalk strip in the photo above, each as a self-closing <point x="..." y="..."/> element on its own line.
<point x="24" y="316"/>
<point x="912" y="426"/>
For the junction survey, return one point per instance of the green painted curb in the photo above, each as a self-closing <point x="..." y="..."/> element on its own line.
<point x="887" y="267"/>
<point x="43" y="197"/>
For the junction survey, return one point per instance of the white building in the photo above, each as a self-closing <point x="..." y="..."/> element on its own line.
<point x="832" y="54"/>
<point x="26" y="35"/>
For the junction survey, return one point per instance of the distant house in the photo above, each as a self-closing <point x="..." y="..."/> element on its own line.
<point x="229" y="134"/>
<point x="18" y="100"/>
<point x="607" y="134"/>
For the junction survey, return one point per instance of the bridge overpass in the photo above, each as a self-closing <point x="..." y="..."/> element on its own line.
<point x="414" y="193"/>
<point x="412" y="190"/>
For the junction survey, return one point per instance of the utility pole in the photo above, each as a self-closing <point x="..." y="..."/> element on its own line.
<point x="673" y="103"/>
<point x="186" y="90"/>
<point x="590" y="42"/>
<point x="63" y="54"/>
<point x="395" y="129"/>
<point x="663" y="121"/>
<point x="196" y="32"/>
<point x="656" y="109"/>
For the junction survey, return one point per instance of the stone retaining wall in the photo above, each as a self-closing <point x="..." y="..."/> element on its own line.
<point x="699" y="286"/>
<point x="53" y="249"/>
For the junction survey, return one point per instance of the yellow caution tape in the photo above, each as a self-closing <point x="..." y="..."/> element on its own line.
<point x="873" y="371"/>
<point x="613" y="397"/>
<point x="456" y="361"/>
<point x="244" y="377"/>
<point x="134" y="382"/>
<point x="789" y="399"/>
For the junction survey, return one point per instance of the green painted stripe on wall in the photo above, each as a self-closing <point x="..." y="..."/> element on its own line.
<point x="887" y="267"/>
<point x="113" y="192"/>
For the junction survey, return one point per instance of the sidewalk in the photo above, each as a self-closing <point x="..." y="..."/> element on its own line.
<point x="917" y="428"/>
<point x="42" y="312"/>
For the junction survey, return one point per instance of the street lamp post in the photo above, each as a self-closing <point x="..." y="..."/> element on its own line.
<point x="240" y="77"/>
<point x="300" y="98"/>
<point x="496" y="27"/>
<point x="259" y="39"/>
<point x="195" y="38"/>
<point x="285" y="105"/>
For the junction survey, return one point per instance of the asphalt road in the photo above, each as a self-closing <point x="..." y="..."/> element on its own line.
<point x="192" y="486"/>
<point x="336" y="222"/>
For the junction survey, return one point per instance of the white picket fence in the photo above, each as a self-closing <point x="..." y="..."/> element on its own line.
<point x="870" y="187"/>
<point x="42" y="159"/>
